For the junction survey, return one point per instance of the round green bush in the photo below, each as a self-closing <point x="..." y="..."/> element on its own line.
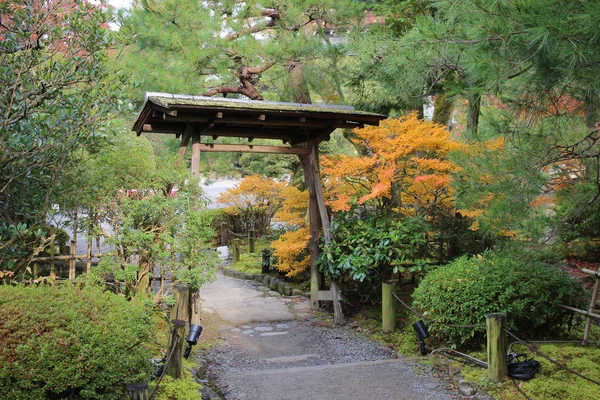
<point x="527" y="290"/>
<point x="63" y="342"/>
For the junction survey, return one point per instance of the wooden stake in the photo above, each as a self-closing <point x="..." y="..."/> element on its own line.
<point x="72" y="260"/>
<point x="224" y="234"/>
<point x="251" y="241"/>
<point x="88" y="264"/>
<point x="236" y="250"/>
<point x="176" y="343"/>
<point x="388" y="307"/>
<point x="181" y="309"/>
<point x="138" y="391"/>
<point x="497" y="347"/>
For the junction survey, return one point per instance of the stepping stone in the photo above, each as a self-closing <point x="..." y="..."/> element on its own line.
<point x="263" y="329"/>
<point x="273" y="333"/>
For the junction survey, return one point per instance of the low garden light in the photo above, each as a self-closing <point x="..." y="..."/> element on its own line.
<point x="421" y="330"/>
<point x="192" y="339"/>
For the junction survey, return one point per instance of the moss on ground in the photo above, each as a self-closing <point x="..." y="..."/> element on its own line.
<point x="551" y="381"/>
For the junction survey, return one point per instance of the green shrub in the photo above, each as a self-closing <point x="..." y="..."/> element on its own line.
<point x="511" y="281"/>
<point x="185" y="388"/>
<point x="71" y="342"/>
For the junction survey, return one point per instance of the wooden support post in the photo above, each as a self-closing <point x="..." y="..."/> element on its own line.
<point x="195" y="307"/>
<point x="251" y="241"/>
<point x="497" y="347"/>
<point x="224" y="234"/>
<point x="236" y="250"/>
<point x="176" y="343"/>
<point x="181" y="309"/>
<point x="338" y="315"/>
<point x="591" y="309"/>
<point x="313" y="215"/>
<point x="138" y="391"/>
<point x="196" y="155"/>
<point x="35" y="270"/>
<point x="388" y="307"/>
<point x="185" y="141"/>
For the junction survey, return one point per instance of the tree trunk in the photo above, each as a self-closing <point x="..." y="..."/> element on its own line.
<point x="297" y="86"/>
<point x="443" y="106"/>
<point x="473" y="110"/>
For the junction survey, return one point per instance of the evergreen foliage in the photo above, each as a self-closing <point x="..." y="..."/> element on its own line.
<point x="64" y="341"/>
<point x="514" y="281"/>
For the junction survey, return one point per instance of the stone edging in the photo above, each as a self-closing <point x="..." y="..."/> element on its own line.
<point x="272" y="282"/>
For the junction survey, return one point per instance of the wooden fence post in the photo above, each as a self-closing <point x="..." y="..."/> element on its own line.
<point x="251" y="241"/>
<point x="138" y="391"/>
<point x="73" y="260"/>
<point x="497" y="347"/>
<point x="388" y="307"/>
<point x="181" y="309"/>
<point x="236" y="250"/>
<point x="176" y="343"/>
<point x="224" y="234"/>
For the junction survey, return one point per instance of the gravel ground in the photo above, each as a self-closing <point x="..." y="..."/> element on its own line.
<point x="305" y="358"/>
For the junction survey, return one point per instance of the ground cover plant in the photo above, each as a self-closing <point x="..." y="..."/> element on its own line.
<point x="71" y="341"/>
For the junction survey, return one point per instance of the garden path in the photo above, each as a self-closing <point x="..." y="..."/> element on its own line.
<point x="274" y="348"/>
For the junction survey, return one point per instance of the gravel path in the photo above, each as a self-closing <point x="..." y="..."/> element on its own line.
<point x="300" y="356"/>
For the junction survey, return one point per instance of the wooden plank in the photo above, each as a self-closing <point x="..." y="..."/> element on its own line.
<point x="324" y="295"/>
<point x="216" y="147"/>
<point x="163" y="128"/>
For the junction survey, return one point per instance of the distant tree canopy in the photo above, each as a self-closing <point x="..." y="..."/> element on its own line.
<point x="259" y="49"/>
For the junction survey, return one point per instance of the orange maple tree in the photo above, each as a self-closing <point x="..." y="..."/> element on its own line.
<point x="291" y="249"/>
<point x="404" y="169"/>
<point x="254" y="202"/>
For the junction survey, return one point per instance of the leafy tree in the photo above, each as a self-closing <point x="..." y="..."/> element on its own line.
<point x="291" y="248"/>
<point x="57" y="94"/>
<point x="406" y="168"/>
<point x="253" y="202"/>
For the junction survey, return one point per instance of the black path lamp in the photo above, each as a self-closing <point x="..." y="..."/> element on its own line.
<point x="192" y="339"/>
<point x="421" y="330"/>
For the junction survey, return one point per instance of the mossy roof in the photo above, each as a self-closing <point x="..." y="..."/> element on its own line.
<point x="170" y="113"/>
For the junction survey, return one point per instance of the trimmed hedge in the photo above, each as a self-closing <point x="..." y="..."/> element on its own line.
<point x="71" y="342"/>
<point x="511" y="281"/>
